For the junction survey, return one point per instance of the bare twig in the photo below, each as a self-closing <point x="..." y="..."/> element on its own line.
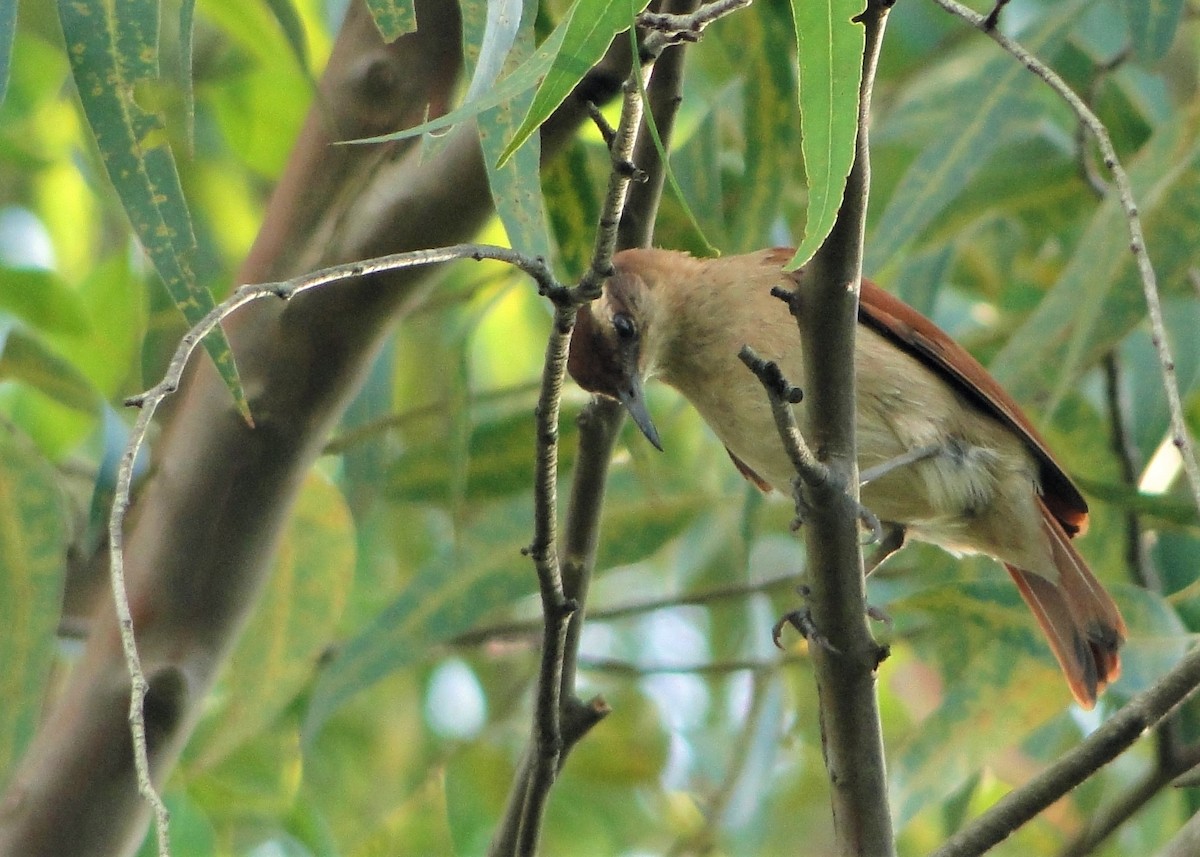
<point x="561" y="718"/>
<point x="712" y="668"/>
<point x="149" y="401"/>
<point x="1142" y="713"/>
<point x="1100" y="825"/>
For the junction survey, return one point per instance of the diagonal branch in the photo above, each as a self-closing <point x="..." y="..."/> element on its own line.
<point x="1144" y="712"/>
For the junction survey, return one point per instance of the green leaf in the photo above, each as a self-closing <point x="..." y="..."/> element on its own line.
<point x="25" y="358"/>
<point x="113" y="49"/>
<point x="524" y="78"/>
<point x="42" y="299"/>
<point x="829" y="45"/>
<point x="497" y="35"/>
<point x="33" y="536"/>
<point x="393" y="18"/>
<point x="8" y="31"/>
<point x="446" y="597"/>
<point x="586" y="34"/>
<point x="295" y="621"/>
<point x="498" y="458"/>
<point x="1170" y="511"/>
<point x="1152" y="26"/>
<point x="187" y="16"/>
<point x="293" y="30"/>
<point x="569" y="184"/>
<point x="1098" y="297"/>
<point x="998" y="684"/>
<point x="774" y="149"/>
<point x="947" y="165"/>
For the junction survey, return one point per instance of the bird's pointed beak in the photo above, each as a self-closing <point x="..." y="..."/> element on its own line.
<point x="634" y="399"/>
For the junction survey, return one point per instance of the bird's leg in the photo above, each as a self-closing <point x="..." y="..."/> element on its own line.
<point x="871" y="474"/>
<point x="802" y="621"/>
<point x="891" y="540"/>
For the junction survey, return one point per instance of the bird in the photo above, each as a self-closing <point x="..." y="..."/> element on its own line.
<point x="958" y="464"/>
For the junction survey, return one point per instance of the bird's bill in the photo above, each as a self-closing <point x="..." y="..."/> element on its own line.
<point x="634" y="400"/>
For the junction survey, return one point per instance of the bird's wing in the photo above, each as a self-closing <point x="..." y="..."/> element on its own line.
<point x="907" y="328"/>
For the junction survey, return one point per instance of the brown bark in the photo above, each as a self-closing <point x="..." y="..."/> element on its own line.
<point x="200" y="546"/>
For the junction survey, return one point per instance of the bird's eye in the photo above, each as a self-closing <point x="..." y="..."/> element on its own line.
<point x="624" y="326"/>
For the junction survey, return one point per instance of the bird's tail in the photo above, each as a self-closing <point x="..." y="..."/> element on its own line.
<point x="1078" y="617"/>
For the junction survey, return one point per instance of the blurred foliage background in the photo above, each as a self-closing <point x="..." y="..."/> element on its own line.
<point x="378" y="701"/>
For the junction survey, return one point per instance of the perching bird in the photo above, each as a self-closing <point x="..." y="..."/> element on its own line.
<point x="986" y="483"/>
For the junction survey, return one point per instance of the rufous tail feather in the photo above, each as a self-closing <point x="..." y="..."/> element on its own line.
<point x="1078" y="617"/>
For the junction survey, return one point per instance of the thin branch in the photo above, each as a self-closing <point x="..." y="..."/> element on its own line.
<point x="149" y="401"/>
<point x="524" y="629"/>
<point x="1102" y="824"/>
<point x="1115" y="735"/>
<point x="618" y="666"/>
<point x="559" y="712"/>
<point x="1137" y="244"/>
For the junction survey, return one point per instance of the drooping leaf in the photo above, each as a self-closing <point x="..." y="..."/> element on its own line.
<point x="498" y="35"/>
<point x="829" y="45"/>
<point x="187" y="15"/>
<point x="33" y="534"/>
<point x="393" y="18"/>
<point x="113" y="49"/>
<point x="572" y="201"/>
<point x="586" y="34"/>
<point x="773" y="149"/>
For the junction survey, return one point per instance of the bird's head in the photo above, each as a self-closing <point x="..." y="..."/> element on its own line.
<point x="613" y="346"/>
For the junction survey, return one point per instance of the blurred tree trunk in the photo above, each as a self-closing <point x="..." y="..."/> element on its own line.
<point x="206" y="523"/>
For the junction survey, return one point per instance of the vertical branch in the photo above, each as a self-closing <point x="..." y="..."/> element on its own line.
<point x="561" y="719"/>
<point x="851" y="733"/>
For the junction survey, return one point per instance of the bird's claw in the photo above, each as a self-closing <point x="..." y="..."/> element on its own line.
<point x="802" y="621"/>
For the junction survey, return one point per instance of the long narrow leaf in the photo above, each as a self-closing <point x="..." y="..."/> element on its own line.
<point x="829" y="46"/>
<point x="113" y="48"/>
<point x="587" y="33"/>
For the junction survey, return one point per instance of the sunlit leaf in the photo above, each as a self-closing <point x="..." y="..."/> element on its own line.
<point x="586" y="35"/>
<point x="293" y="30"/>
<point x="499" y="36"/>
<point x="33" y="535"/>
<point x="829" y="45"/>
<point x="114" y="49"/>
